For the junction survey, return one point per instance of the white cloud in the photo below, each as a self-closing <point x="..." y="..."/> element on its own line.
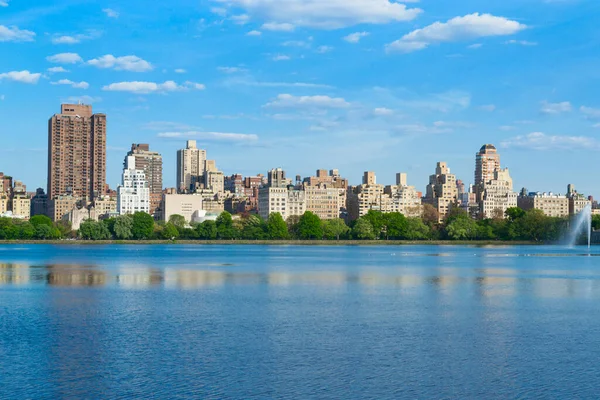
<point x="420" y="129"/>
<point x="194" y="85"/>
<point x="231" y="70"/>
<point x="85" y="99"/>
<point x="151" y="87"/>
<point x="593" y="126"/>
<point x="330" y="14"/>
<point x="3" y="3"/>
<point x="521" y="42"/>
<point x="76" y="85"/>
<point x="589" y="112"/>
<point x="14" y="34"/>
<point x="475" y="46"/>
<point x="355" y="37"/>
<point x="541" y="141"/>
<point x="55" y="70"/>
<point x="280" y="57"/>
<point x="507" y="128"/>
<point x="65" y="58"/>
<point x="382" y="111"/>
<point x="180" y="71"/>
<point x="110" y="13"/>
<point x="488" y="107"/>
<point x="278" y="27"/>
<point x="125" y="63"/>
<point x="74" y="39"/>
<point x="324" y="49"/>
<point x="220" y="11"/>
<point x="254" y="33"/>
<point x="555" y="108"/>
<point x="241" y="19"/>
<point x="290" y="101"/>
<point x="250" y="82"/>
<point x="216" y="136"/>
<point x="296" y="43"/>
<point x="21" y="76"/>
<point x="2" y="97"/>
<point x="459" y="28"/>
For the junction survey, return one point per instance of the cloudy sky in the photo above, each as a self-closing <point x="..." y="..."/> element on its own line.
<point x="304" y="84"/>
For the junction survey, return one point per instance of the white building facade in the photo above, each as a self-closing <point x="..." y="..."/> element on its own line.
<point x="134" y="194"/>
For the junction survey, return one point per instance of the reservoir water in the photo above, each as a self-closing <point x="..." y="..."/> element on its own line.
<point x="287" y="322"/>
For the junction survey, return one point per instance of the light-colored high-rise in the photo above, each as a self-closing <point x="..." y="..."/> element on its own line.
<point x="190" y="166"/>
<point x="487" y="161"/>
<point x="76" y="152"/>
<point x="442" y="191"/>
<point x="498" y="195"/>
<point x="133" y="195"/>
<point x="152" y="164"/>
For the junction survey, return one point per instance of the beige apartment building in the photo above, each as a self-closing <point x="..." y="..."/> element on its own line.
<point x="190" y="166"/>
<point x="550" y="204"/>
<point x="105" y="206"/>
<point x="326" y="202"/>
<point x="487" y="161"/>
<point x="402" y="198"/>
<point x="498" y="195"/>
<point x="287" y="202"/>
<point x="442" y="191"/>
<point x="186" y="205"/>
<point x="4" y="201"/>
<point x="62" y="205"/>
<point x="151" y="163"/>
<point x="76" y="152"/>
<point x="21" y="205"/>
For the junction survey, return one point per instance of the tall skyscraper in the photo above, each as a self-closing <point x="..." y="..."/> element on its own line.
<point x="76" y="152"/>
<point x="487" y="161"/>
<point x="190" y="166"/>
<point x="133" y="195"/>
<point x="151" y="163"/>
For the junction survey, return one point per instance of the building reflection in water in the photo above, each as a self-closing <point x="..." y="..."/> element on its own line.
<point x="75" y="275"/>
<point x="14" y="274"/>
<point x="139" y="277"/>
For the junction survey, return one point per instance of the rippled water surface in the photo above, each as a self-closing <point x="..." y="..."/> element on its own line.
<point x="299" y="322"/>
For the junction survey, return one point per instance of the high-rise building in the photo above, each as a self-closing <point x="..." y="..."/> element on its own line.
<point x="190" y="166"/>
<point x="151" y="163"/>
<point x="76" y="152"/>
<point x="276" y="178"/>
<point x="39" y="203"/>
<point x="133" y="195"/>
<point x="487" y="161"/>
<point x="498" y="195"/>
<point x="442" y="191"/>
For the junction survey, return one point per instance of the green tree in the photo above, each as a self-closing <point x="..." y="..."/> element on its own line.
<point x="25" y="230"/>
<point x="225" y="228"/>
<point x="178" y="221"/>
<point x="43" y="232"/>
<point x="596" y="222"/>
<point x="170" y="232"/>
<point x="143" y="226"/>
<point x="363" y="230"/>
<point x="7" y="229"/>
<point x="309" y="226"/>
<point x="92" y="230"/>
<point x="416" y="229"/>
<point x="254" y="228"/>
<point x="377" y="220"/>
<point x="461" y="227"/>
<point x="41" y="220"/>
<point x="277" y="229"/>
<point x="514" y="213"/>
<point x="123" y="227"/>
<point x="395" y="225"/>
<point x="335" y="228"/>
<point x="207" y="230"/>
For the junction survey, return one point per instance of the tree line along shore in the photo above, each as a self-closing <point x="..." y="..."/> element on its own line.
<point x="530" y="226"/>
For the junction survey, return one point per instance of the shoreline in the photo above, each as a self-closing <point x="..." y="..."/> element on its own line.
<point x="275" y="242"/>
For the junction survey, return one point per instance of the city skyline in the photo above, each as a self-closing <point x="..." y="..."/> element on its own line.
<point x="376" y="93"/>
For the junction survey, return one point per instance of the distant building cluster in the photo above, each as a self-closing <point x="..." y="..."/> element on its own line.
<point x="77" y="190"/>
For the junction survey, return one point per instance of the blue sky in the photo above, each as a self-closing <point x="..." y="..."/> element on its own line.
<point x="305" y="84"/>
